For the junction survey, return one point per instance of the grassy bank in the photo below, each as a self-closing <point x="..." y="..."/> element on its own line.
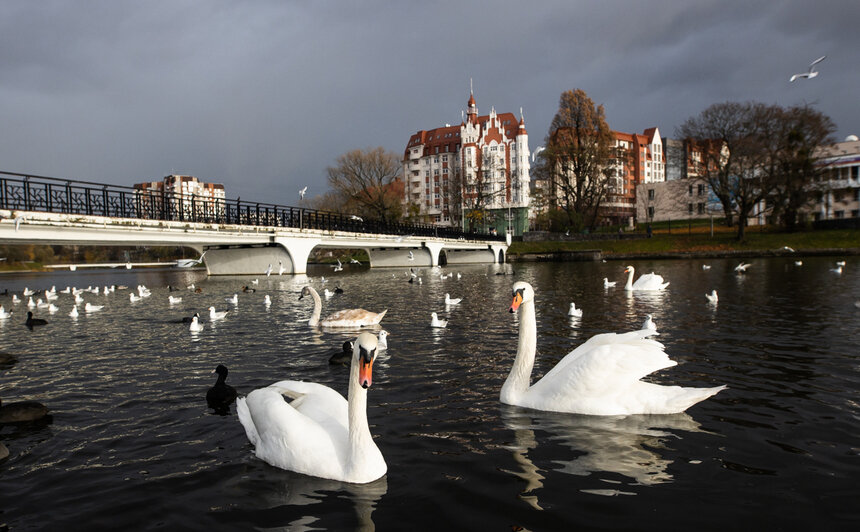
<point x="700" y="241"/>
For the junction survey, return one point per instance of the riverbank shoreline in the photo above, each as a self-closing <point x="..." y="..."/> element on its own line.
<point x="596" y="254"/>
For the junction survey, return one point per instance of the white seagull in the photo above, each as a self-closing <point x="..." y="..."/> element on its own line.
<point x="217" y="315"/>
<point x="281" y="268"/>
<point x="268" y="271"/>
<point x="811" y="73"/>
<point x="712" y="297"/>
<point x="436" y="322"/>
<point x="195" y="326"/>
<point x="339" y="267"/>
<point x="302" y="193"/>
<point x="649" y="324"/>
<point x="573" y="311"/>
<point x="607" y="283"/>
<point x="411" y="256"/>
<point x="449" y="301"/>
<point x="742" y="267"/>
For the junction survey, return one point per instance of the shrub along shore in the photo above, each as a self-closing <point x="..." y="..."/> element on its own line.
<point x="697" y="243"/>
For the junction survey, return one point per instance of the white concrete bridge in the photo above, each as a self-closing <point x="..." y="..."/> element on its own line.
<point x="237" y="238"/>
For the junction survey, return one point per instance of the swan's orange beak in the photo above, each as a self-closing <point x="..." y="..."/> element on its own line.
<point x="365" y="369"/>
<point x="518" y="300"/>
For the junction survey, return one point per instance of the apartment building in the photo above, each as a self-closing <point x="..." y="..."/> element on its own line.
<point x="472" y="175"/>
<point x="183" y="195"/>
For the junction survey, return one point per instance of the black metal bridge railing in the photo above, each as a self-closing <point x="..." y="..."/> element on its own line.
<point x="49" y="194"/>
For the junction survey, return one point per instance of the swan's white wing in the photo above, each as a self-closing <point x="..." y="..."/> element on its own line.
<point x="598" y="376"/>
<point x="650" y="281"/>
<point x="290" y="439"/>
<point x="353" y="317"/>
<point x="316" y="401"/>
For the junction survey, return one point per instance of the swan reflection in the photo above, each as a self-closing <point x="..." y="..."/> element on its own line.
<point x="287" y="488"/>
<point x="626" y="445"/>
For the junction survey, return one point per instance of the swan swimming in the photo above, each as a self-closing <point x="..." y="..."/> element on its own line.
<point x="353" y="317"/>
<point x="649" y="281"/>
<point x="600" y="377"/>
<point x="318" y="433"/>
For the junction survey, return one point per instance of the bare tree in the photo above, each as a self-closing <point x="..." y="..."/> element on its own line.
<point x="801" y="133"/>
<point x="731" y="140"/>
<point x="578" y="149"/>
<point x="370" y="179"/>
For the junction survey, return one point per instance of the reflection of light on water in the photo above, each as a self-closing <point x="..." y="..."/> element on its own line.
<point x="624" y="445"/>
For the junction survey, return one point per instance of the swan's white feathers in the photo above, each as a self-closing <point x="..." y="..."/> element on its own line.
<point x="353" y="317"/>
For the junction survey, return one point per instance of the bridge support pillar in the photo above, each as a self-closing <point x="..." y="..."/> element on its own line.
<point x="499" y="251"/>
<point x="434" y="248"/>
<point x="299" y="250"/>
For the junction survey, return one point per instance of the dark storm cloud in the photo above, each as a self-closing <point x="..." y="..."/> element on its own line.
<point x="263" y="96"/>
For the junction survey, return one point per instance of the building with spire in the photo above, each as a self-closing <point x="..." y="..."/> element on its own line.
<point x="474" y="176"/>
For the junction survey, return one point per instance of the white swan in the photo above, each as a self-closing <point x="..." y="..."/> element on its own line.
<point x="712" y="297"/>
<point x="353" y="317"/>
<point x="607" y="283"/>
<point x="648" y="281"/>
<point x="573" y="311"/>
<point x="449" y="301"/>
<point x="318" y="433"/>
<point x="600" y="377"/>
<point x="436" y="322"/>
<point x="648" y="324"/>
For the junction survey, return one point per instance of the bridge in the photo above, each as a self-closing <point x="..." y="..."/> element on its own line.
<point x="235" y="237"/>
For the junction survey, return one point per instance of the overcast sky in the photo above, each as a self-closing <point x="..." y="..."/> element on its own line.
<point x="262" y="96"/>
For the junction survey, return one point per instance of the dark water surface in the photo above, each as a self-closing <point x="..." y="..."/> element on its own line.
<point x="133" y="446"/>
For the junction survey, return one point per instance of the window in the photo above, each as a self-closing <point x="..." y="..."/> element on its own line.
<point x="650" y="193"/>
<point x="701" y="190"/>
<point x="701" y="208"/>
<point x="691" y="193"/>
<point x="651" y="212"/>
<point x="840" y="214"/>
<point x="690" y="208"/>
<point x="855" y="172"/>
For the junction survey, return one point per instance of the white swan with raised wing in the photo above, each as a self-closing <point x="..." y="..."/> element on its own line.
<point x="600" y="377"/>
<point x="318" y="433"/>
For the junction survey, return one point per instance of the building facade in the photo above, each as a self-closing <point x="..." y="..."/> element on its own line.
<point x="636" y="159"/>
<point x="840" y="181"/>
<point x="183" y="196"/>
<point x="475" y="175"/>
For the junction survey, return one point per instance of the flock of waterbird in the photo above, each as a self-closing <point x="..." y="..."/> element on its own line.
<point x="318" y="432"/>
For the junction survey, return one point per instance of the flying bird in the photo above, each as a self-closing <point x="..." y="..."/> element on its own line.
<point x="356" y="218"/>
<point x="302" y="193"/>
<point x="811" y="73"/>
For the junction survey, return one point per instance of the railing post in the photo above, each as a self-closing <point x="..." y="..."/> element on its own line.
<point x="105" y="204"/>
<point x="26" y="193"/>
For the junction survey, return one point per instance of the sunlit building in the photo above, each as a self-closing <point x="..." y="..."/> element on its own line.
<point x="472" y="175"/>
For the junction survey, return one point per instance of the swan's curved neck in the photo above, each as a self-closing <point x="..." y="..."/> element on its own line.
<point x="360" y="438"/>
<point x="315" y="317"/>
<point x="629" y="285"/>
<point x="517" y="383"/>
